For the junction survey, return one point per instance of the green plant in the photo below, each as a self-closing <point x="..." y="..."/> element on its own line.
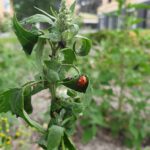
<point x="20" y="63"/>
<point x="5" y="25"/>
<point x="54" y="65"/>
<point x="7" y="132"/>
<point x="5" y="138"/>
<point x="120" y="79"/>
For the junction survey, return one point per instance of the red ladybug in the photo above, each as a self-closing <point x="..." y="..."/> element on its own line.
<point x="77" y="83"/>
<point x="82" y="81"/>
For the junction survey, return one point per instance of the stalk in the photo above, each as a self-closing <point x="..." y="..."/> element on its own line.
<point x="121" y="78"/>
<point x="121" y="69"/>
<point x="52" y="87"/>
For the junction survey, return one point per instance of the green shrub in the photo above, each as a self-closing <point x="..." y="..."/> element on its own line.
<point x="20" y="64"/>
<point x="120" y="77"/>
<point x="5" y="25"/>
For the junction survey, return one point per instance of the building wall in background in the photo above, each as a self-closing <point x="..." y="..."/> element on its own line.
<point x="111" y="5"/>
<point x="1" y="9"/>
<point x="69" y="2"/>
<point x="108" y="20"/>
<point x="6" y="8"/>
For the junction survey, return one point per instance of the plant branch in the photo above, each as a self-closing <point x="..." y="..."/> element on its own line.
<point x="121" y="78"/>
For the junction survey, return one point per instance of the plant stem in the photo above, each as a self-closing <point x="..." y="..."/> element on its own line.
<point x="121" y="78"/>
<point x="63" y="145"/>
<point x="53" y="98"/>
<point x="52" y="87"/>
<point x="122" y="60"/>
<point x="53" y="91"/>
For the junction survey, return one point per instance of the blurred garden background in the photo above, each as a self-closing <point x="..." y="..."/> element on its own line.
<point x="118" y="116"/>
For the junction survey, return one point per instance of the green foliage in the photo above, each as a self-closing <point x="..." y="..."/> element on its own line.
<point x="9" y="132"/>
<point x="5" y="138"/>
<point x="119" y="63"/>
<point x="5" y="25"/>
<point x="24" y="65"/>
<point x="139" y="6"/>
<point x="55" y="134"/>
<point x="14" y="100"/>
<point x="85" y="46"/>
<point x="120" y="74"/>
<point x="121" y="80"/>
<point x="26" y="38"/>
<point x="37" y="18"/>
<point x="68" y="143"/>
<point x="53" y="67"/>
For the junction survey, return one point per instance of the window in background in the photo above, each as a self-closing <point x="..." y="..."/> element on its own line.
<point x="148" y="19"/>
<point x="142" y="14"/>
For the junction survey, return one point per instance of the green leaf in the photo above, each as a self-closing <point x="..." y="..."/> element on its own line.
<point x="38" y="18"/>
<point x="55" y="35"/>
<point x="43" y="142"/>
<point x="67" y="35"/>
<point x="51" y="71"/>
<point x="74" y="29"/>
<point x="13" y="100"/>
<point x="139" y="6"/>
<point x="53" y="12"/>
<point x="69" y="56"/>
<point x="89" y="134"/>
<point x="52" y="76"/>
<point x="72" y="7"/>
<point x="6" y="100"/>
<point x="132" y="128"/>
<point x="56" y="66"/>
<point x="39" y="51"/>
<point x="76" y="107"/>
<point x="44" y="12"/>
<point x="68" y="143"/>
<point x="55" y="134"/>
<point x="72" y="83"/>
<point x="71" y="93"/>
<point x="27" y="100"/>
<point x="84" y="46"/>
<point x="70" y="33"/>
<point x="25" y="37"/>
<point x="132" y="21"/>
<point x="120" y="5"/>
<point x="52" y="64"/>
<point x="39" y="87"/>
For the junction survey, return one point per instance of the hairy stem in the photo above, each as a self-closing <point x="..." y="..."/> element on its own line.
<point x="53" y="91"/>
<point x="52" y="87"/>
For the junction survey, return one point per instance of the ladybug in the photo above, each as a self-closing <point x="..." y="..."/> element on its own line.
<point x="82" y="81"/>
<point x="77" y="83"/>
